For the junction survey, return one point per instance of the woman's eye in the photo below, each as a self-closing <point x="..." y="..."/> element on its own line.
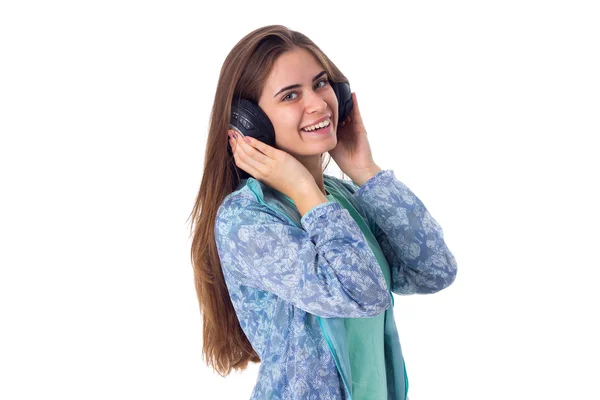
<point x="323" y="81"/>
<point x="287" y="96"/>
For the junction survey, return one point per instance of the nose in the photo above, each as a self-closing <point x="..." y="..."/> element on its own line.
<point x="315" y="103"/>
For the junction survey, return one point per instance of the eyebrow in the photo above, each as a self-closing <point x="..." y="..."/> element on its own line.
<point x="298" y="85"/>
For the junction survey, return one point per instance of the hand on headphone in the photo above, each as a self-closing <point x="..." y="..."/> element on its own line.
<point x="353" y="152"/>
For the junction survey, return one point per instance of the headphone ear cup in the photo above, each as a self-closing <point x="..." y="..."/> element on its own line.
<point x="249" y="119"/>
<point x="344" y="97"/>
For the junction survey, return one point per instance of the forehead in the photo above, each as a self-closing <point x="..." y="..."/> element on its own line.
<point x="297" y="66"/>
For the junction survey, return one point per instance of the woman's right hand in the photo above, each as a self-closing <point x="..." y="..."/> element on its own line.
<point x="276" y="168"/>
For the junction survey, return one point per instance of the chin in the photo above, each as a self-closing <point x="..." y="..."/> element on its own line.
<point x="334" y="142"/>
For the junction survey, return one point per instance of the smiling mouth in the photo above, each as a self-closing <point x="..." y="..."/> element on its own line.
<point x="324" y="131"/>
<point x="318" y="126"/>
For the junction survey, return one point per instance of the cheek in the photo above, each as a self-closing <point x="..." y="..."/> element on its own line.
<point x="287" y="122"/>
<point x="334" y="108"/>
<point x="286" y="130"/>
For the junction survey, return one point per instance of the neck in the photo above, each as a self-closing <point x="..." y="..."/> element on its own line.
<point x="314" y="165"/>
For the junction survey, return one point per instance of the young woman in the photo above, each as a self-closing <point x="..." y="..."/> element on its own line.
<point x="295" y="269"/>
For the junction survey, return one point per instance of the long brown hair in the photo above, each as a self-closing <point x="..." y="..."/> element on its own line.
<point x="243" y="74"/>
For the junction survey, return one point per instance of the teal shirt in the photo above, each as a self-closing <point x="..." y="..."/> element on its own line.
<point x="365" y="336"/>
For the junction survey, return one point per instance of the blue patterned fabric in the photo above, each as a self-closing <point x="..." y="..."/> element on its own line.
<point x="293" y="279"/>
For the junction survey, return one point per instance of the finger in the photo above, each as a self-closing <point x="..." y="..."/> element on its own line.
<point x="249" y="155"/>
<point x="233" y="145"/>
<point x="262" y="147"/>
<point x="239" y="162"/>
<point x="355" y="113"/>
<point x="232" y="141"/>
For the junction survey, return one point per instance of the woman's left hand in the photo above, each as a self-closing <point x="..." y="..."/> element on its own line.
<point x="353" y="152"/>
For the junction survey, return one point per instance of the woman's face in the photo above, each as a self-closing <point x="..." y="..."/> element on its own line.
<point x="311" y="100"/>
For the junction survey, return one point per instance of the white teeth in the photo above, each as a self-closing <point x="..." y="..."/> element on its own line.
<point x="317" y="126"/>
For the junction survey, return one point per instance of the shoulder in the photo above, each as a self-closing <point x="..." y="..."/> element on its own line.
<point x="246" y="204"/>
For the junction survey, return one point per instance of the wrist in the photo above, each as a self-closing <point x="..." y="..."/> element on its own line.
<point x="309" y="199"/>
<point x="360" y="177"/>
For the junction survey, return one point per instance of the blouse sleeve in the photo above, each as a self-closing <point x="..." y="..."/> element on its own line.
<point x="325" y="268"/>
<point x="410" y="238"/>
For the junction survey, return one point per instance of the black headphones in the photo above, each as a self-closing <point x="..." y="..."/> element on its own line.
<point x="249" y="119"/>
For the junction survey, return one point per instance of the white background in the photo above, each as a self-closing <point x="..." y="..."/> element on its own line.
<point x="488" y="111"/>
